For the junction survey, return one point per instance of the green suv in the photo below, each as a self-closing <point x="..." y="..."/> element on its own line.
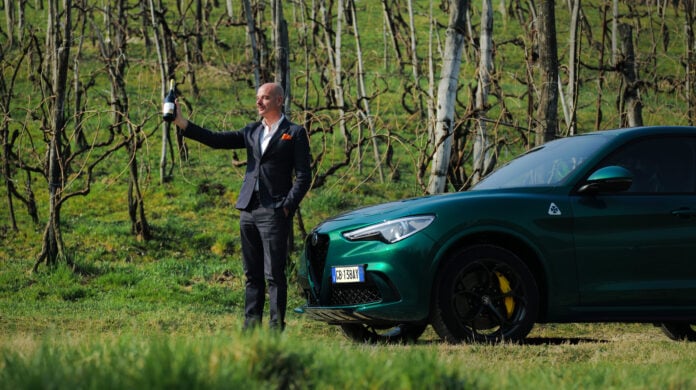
<point x="599" y="227"/>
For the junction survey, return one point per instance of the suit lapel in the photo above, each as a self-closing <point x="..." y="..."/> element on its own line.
<point x="256" y="141"/>
<point x="276" y="136"/>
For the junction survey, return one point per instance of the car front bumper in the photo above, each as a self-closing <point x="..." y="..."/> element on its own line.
<point x="396" y="287"/>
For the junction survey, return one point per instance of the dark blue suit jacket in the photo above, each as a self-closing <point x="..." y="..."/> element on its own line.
<point x="287" y="153"/>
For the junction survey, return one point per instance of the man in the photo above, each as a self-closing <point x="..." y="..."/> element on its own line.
<point x="268" y="198"/>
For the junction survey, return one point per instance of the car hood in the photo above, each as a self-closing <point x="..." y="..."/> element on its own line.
<point x="431" y="204"/>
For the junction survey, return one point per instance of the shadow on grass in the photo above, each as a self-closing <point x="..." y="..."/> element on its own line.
<point x="560" y="340"/>
<point x="530" y="341"/>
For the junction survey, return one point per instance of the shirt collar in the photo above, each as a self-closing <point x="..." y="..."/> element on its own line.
<point x="274" y="127"/>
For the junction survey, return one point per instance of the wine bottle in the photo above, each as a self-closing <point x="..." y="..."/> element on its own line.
<point x="169" y="108"/>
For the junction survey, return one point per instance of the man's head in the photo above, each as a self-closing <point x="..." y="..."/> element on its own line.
<point x="269" y="101"/>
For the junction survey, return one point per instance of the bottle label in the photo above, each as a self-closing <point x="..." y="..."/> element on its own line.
<point x="168" y="108"/>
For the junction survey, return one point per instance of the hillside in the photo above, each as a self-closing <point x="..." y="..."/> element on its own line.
<point x="191" y="211"/>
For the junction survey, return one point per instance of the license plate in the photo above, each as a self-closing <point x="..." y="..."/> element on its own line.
<point x="350" y="274"/>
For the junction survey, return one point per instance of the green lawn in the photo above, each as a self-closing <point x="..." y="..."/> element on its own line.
<point x="174" y="323"/>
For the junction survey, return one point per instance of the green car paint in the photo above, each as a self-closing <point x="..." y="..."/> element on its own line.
<point x="596" y="227"/>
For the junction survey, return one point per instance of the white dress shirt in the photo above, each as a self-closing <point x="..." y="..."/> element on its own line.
<point x="268" y="132"/>
<point x="266" y="135"/>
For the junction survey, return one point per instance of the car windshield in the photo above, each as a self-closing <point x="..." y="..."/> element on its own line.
<point x="546" y="165"/>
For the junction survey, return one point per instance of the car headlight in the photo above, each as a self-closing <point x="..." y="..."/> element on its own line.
<point x="391" y="231"/>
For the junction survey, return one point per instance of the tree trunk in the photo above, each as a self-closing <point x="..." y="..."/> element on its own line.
<point x="447" y="96"/>
<point x="136" y="202"/>
<point x="251" y="32"/>
<point x="362" y="94"/>
<point x="615" y="32"/>
<point x="58" y="50"/>
<point x="162" y="56"/>
<point x="690" y="61"/>
<point x="190" y="69"/>
<point x="432" y="111"/>
<point x="198" y="53"/>
<point x="424" y="156"/>
<point x="574" y="44"/>
<point x="531" y="57"/>
<point x="631" y="108"/>
<point x="230" y="9"/>
<point x="144" y="11"/>
<point x="600" y="77"/>
<point x="414" y="59"/>
<point x="281" y="43"/>
<point x="334" y="53"/>
<point x="547" y="111"/>
<point x="306" y="54"/>
<point x="10" y="19"/>
<point x="6" y="169"/>
<point x="114" y="53"/>
<point x="388" y="20"/>
<point x="79" y="106"/>
<point x="483" y="156"/>
<point x="193" y="54"/>
<point x="21" y="20"/>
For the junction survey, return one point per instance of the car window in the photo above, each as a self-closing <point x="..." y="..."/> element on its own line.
<point x="658" y="165"/>
<point x="546" y="165"/>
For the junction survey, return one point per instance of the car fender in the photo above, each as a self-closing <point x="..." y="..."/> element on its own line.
<point x="553" y="265"/>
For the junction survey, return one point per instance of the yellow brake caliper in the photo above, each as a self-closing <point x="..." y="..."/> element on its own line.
<point x="505" y="288"/>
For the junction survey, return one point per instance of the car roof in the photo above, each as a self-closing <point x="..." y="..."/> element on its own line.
<point x="645" y="130"/>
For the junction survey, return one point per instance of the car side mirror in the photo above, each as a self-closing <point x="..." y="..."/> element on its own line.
<point x="607" y="179"/>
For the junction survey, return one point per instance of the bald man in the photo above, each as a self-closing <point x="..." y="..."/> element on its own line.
<point x="277" y="177"/>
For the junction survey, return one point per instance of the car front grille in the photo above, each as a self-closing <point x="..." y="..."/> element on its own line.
<point x="354" y="294"/>
<point x="317" y="248"/>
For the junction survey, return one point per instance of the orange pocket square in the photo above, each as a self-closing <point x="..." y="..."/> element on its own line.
<point x="286" y="137"/>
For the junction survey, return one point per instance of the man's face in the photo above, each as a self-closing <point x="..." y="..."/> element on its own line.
<point x="268" y="102"/>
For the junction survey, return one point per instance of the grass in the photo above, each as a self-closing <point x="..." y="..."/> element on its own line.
<point x="627" y="356"/>
<point x="166" y="313"/>
<point x="219" y="361"/>
<point x="176" y="323"/>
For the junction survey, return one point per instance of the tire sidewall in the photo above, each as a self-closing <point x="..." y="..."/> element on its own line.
<point x="442" y="317"/>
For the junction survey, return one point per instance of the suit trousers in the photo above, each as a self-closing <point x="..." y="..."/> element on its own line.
<point x="264" y="233"/>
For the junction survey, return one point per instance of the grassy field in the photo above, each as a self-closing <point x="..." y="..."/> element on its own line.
<point x="166" y="313"/>
<point x="176" y="323"/>
<point x="297" y="360"/>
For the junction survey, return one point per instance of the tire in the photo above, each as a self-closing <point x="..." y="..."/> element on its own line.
<point x="401" y="333"/>
<point x="484" y="294"/>
<point x="679" y="331"/>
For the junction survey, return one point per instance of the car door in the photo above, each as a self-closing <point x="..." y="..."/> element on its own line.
<point x="638" y="247"/>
